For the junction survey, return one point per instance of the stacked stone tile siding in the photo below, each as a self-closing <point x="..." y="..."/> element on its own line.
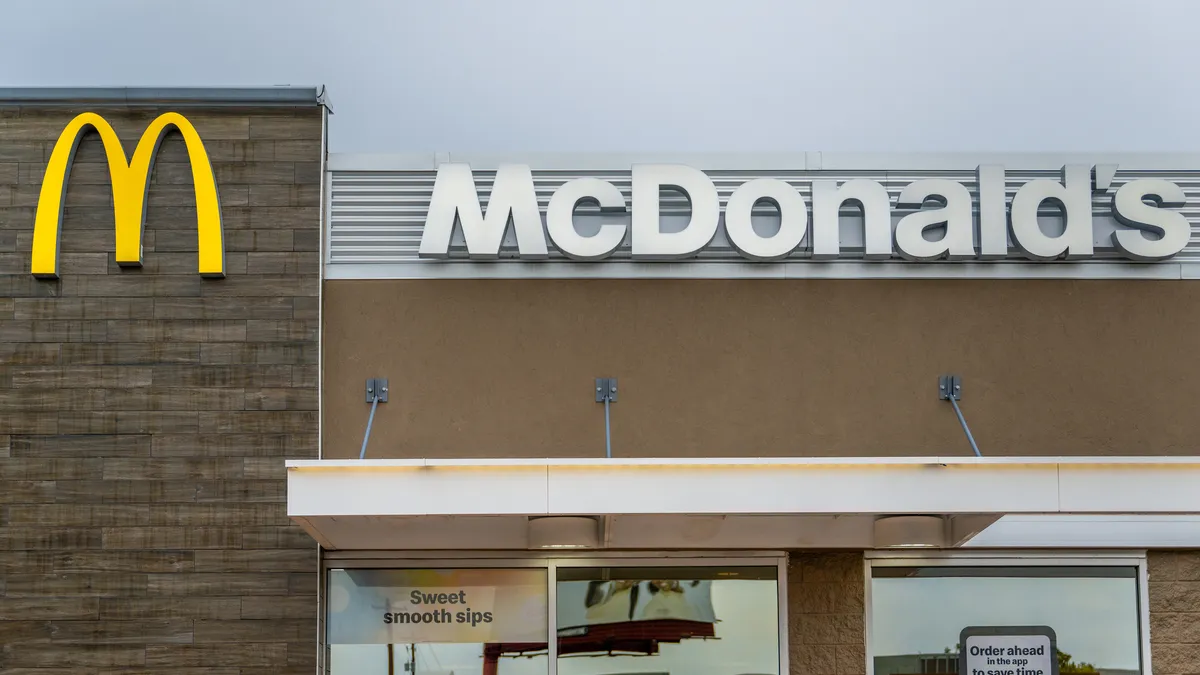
<point x="145" y="414"/>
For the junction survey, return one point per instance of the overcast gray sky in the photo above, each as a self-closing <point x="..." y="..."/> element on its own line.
<point x="659" y="75"/>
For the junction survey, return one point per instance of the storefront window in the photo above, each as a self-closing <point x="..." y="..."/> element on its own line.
<point x="438" y="622"/>
<point x="686" y="620"/>
<point x="918" y="614"/>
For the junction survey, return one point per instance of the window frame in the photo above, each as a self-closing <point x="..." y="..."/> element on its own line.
<point x="551" y="562"/>
<point x="960" y="558"/>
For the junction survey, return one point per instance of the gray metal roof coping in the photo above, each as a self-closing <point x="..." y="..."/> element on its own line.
<point x="278" y="96"/>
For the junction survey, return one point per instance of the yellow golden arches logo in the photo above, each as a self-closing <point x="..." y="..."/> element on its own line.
<point x="130" y="182"/>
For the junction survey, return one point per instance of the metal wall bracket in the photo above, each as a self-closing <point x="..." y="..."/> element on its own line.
<point x="606" y="393"/>
<point x="377" y="387"/>
<point x="949" y="388"/>
<point x="377" y="392"/>
<point x="606" y="389"/>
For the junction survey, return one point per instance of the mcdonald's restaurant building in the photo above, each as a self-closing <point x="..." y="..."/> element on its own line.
<point x="267" y="409"/>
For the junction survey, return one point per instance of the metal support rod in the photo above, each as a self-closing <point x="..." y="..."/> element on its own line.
<point x="966" y="429"/>
<point x="950" y="389"/>
<point x="607" y="431"/>
<point x="606" y="393"/>
<point x="370" y="420"/>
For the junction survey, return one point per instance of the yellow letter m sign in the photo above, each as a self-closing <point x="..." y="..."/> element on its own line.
<point x="130" y="183"/>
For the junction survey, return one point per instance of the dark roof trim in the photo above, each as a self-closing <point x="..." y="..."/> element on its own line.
<point x="284" y="97"/>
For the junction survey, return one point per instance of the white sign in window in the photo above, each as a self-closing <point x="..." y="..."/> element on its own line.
<point x="438" y="621"/>
<point x="1000" y="650"/>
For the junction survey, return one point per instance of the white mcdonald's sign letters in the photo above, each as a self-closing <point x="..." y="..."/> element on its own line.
<point x="940" y="219"/>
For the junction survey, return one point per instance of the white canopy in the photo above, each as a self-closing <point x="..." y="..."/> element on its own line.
<point x="749" y="503"/>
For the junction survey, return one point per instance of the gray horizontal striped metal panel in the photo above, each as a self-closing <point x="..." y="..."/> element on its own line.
<point x="376" y="219"/>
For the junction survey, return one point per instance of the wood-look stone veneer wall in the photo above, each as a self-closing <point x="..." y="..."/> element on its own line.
<point x="145" y="414"/>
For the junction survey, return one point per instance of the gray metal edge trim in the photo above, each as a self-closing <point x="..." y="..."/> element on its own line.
<point x="322" y="251"/>
<point x="283" y="96"/>
<point x="800" y="161"/>
<point x="728" y="270"/>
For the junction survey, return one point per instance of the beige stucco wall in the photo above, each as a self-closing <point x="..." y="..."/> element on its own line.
<point x="498" y="368"/>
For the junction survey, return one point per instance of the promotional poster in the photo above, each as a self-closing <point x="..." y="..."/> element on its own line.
<point x="437" y="606"/>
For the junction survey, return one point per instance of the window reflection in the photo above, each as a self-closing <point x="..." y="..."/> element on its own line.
<point x="682" y="620"/>
<point x="917" y="614"/>
<point x="436" y="659"/>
